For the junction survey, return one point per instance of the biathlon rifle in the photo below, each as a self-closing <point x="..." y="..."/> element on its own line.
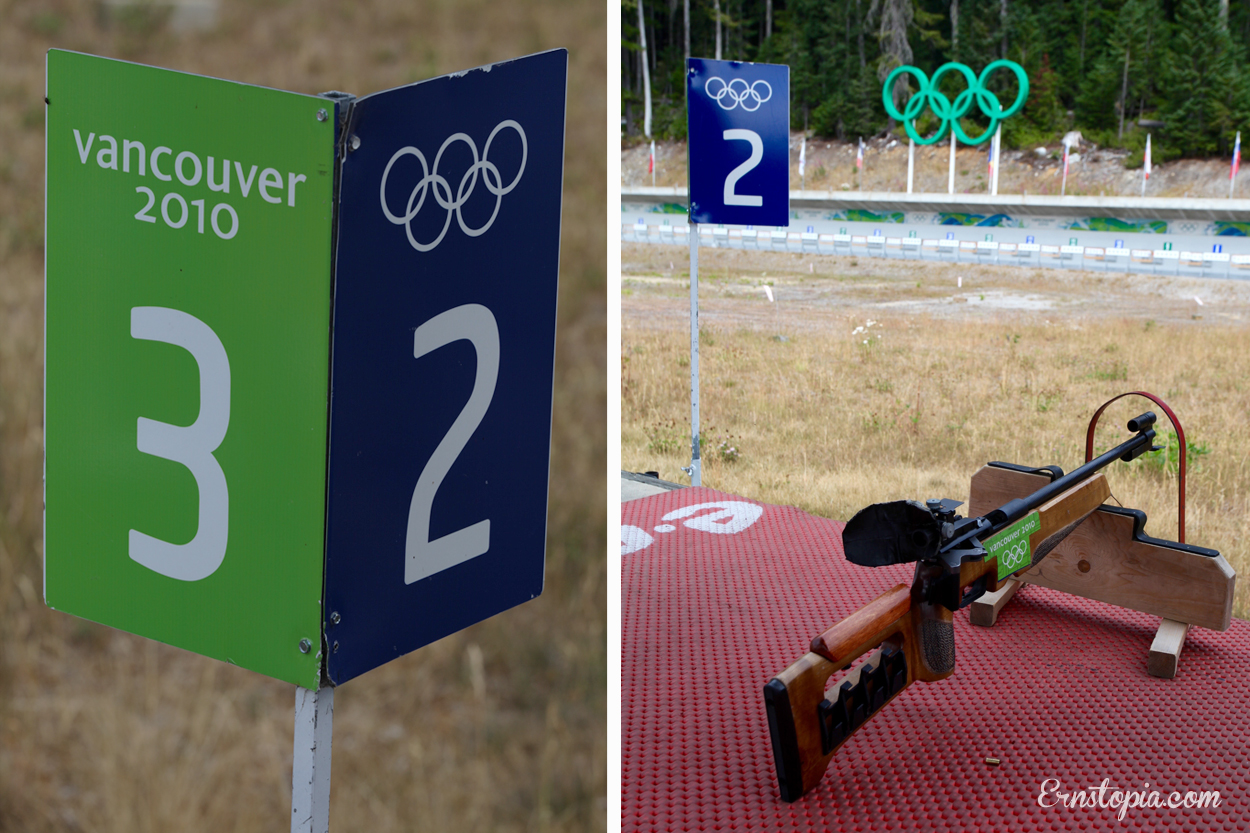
<point x="910" y="630"/>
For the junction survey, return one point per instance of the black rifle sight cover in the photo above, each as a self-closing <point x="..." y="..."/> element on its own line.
<point x="897" y="532"/>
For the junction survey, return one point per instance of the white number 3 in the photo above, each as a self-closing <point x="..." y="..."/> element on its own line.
<point x="192" y="446"/>
<point x="423" y="557"/>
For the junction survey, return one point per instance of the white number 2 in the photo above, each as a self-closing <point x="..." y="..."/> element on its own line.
<point x="731" y="181"/>
<point x="192" y="446"/>
<point x="423" y="557"/>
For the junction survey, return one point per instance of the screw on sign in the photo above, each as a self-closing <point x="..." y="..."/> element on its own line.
<point x="191" y="466"/>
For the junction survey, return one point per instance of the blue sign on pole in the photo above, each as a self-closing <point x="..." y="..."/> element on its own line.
<point x="739" y="142"/>
<point x="444" y="347"/>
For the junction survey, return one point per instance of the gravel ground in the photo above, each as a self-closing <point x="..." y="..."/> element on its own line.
<point x="810" y="291"/>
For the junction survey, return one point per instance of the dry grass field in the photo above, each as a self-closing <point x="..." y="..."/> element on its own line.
<point x="873" y="380"/>
<point x="501" y="727"/>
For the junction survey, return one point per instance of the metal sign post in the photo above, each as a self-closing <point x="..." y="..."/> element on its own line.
<point x="696" y="464"/>
<point x="997" y="151"/>
<point x="950" y="182"/>
<point x="911" y="161"/>
<point x="738" y="117"/>
<point x="310" y="760"/>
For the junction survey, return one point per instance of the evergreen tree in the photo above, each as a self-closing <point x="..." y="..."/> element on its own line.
<point x="1205" y="94"/>
<point x="1184" y="64"/>
<point x="1102" y="92"/>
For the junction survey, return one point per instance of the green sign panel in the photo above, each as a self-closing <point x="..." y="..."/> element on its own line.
<point x="188" y="313"/>
<point x="1011" y="546"/>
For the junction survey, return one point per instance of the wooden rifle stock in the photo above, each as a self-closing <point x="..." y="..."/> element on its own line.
<point x="913" y="640"/>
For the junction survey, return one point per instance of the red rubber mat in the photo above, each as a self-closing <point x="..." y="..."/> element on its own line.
<point x="718" y="599"/>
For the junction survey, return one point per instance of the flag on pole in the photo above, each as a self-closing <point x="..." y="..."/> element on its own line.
<point x="859" y="157"/>
<point x="802" y="157"/>
<point x="1146" y="167"/>
<point x="1236" y="164"/>
<point x="651" y="162"/>
<point x="1064" y="188"/>
<point x="993" y="146"/>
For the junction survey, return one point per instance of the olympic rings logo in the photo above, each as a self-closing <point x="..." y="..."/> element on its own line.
<point x="434" y="184"/>
<point x="950" y="113"/>
<point x="748" y="96"/>
<point x="1016" y="552"/>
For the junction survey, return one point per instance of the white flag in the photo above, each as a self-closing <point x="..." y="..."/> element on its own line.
<point x="802" y="156"/>
<point x="1147" y="156"/>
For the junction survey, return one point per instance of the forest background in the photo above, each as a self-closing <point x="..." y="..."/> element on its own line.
<point x="1113" y="69"/>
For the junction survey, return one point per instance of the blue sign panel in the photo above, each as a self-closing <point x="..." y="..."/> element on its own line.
<point x="738" y="119"/>
<point x="444" y="348"/>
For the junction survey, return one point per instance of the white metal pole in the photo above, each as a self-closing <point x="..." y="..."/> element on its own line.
<point x="998" y="157"/>
<point x="950" y="182"/>
<point x="696" y="466"/>
<point x="310" y="763"/>
<point x="911" y="161"/>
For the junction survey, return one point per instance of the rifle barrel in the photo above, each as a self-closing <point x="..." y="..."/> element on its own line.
<point x="1015" y="509"/>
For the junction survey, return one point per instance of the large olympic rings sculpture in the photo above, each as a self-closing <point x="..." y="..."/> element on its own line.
<point x="432" y="183"/>
<point x="747" y="95"/>
<point x="950" y="113"/>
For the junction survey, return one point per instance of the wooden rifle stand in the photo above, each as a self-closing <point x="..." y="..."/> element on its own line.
<point x="1110" y="558"/>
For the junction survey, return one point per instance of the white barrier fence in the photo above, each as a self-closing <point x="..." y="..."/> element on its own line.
<point x="1216" y="264"/>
